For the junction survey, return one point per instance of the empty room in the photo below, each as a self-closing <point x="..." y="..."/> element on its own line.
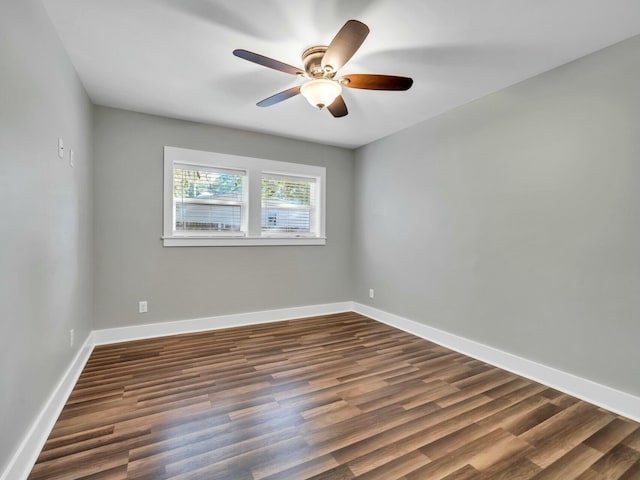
<point x="321" y="239"/>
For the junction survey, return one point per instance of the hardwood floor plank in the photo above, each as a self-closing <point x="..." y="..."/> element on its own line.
<point x="590" y="475"/>
<point x="326" y="398"/>
<point x="453" y="441"/>
<point x="96" y="442"/>
<point x="81" y="463"/>
<point x="517" y="467"/>
<point x="340" y="472"/>
<point x="570" y="465"/>
<point x="312" y="468"/>
<point x="465" y="473"/>
<point x="566" y="440"/>
<point x="479" y="453"/>
<point x="521" y="424"/>
<point x="615" y="463"/>
<point x="633" y="473"/>
<point x="611" y="435"/>
<point x="395" y="468"/>
<point x="633" y="440"/>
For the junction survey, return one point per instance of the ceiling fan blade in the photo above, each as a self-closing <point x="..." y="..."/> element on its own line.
<point x="338" y="108"/>
<point x="267" y="62"/>
<point x="279" y="97"/>
<point x="376" y="82"/>
<point x="346" y="42"/>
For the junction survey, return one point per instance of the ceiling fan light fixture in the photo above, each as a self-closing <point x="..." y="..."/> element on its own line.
<point x="321" y="92"/>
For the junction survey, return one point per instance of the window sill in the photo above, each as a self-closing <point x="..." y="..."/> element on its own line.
<point x="240" y="241"/>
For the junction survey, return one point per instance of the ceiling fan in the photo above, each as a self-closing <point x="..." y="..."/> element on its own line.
<point x="321" y="64"/>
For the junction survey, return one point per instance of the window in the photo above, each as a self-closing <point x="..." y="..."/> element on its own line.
<point x="209" y="200"/>
<point x="288" y="205"/>
<point x="214" y="199"/>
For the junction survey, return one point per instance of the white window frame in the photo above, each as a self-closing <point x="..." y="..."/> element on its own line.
<point x="254" y="168"/>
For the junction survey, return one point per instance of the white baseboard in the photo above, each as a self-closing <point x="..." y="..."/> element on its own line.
<point x="162" y="329"/>
<point x="27" y="453"/>
<point x="606" y="397"/>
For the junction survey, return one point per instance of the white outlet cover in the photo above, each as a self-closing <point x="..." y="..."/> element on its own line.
<point x="142" y="306"/>
<point x="71" y="157"/>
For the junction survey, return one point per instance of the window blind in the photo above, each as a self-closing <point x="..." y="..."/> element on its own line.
<point x="208" y="199"/>
<point x="288" y="204"/>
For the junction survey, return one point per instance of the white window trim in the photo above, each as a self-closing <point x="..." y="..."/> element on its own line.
<point x="254" y="167"/>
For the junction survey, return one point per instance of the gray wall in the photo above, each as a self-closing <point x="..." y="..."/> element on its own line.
<point x="515" y="220"/>
<point x="191" y="282"/>
<point x="45" y="206"/>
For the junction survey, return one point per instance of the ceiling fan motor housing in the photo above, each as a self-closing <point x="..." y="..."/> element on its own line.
<point x="312" y="61"/>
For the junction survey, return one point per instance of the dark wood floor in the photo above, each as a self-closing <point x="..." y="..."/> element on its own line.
<point x="334" y="397"/>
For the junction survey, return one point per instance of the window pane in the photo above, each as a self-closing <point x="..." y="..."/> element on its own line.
<point x="207" y="200"/>
<point x="287" y="204"/>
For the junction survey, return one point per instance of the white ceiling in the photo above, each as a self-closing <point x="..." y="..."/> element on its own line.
<point x="173" y="57"/>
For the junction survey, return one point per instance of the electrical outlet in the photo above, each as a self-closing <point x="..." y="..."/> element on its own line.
<point x="71" y="157"/>
<point x="371" y="293"/>
<point x="72" y="337"/>
<point x="142" y="306"/>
